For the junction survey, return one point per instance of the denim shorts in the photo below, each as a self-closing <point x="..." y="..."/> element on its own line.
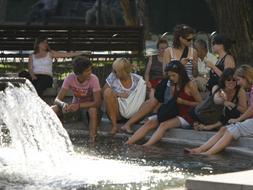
<point x="241" y="129"/>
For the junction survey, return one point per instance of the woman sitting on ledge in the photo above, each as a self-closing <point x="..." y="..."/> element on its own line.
<point x="187" y="95"/>
<point x="239" y="127"/>
<point x="124" y="92"/>
<point x="228" y="100"/>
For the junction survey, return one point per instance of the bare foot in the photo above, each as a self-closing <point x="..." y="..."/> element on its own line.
<point x="92" y="139"/>
<point x="113" y="131"/>
<point x="127" y="129"/>
<point x="192" y="150"/>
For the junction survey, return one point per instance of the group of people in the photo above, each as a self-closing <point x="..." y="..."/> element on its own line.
<point x="175" y="76"/>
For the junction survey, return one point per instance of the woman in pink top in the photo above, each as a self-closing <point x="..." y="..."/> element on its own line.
<point x="40" y="64"/>
<point x="241" y="126"/>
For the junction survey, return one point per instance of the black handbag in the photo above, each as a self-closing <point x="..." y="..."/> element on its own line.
<point x="168" y="110"/>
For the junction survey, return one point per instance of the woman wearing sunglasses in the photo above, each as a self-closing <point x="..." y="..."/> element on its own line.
<point x="181" y="50"/>
<point x="239" y="127"/>
<point x="221" y="47"/>
<point x="228" y="100"/>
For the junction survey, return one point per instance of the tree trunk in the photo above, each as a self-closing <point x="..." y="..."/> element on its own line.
<point x="233" y="20"/>
<point x="129" y="12"/>
<point x="3" y="5"/>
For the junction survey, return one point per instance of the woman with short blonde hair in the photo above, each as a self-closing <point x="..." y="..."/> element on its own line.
<point x="123" y="93"/>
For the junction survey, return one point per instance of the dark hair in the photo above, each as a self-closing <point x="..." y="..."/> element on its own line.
<point x="37" y="42"/>
<point x="80" y="64"/>
<point x="226" y="42"/>
<point x="181" y="30"/>
<point x="161" y="41"/>
<point x="177" y="67"/>
<point x="228" y="73"/>
<point x="201" y="43"/>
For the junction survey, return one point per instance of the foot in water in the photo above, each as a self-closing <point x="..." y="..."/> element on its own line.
<point x="113" y="131"/>
<point x="127" y="129"/>
<point x="192" y="150"/>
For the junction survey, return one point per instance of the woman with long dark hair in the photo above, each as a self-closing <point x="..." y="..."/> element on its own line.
<point x="187" y="96"/>
<point x="181" y="50"/>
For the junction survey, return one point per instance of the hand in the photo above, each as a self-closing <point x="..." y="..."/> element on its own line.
<point x="180" y="101"/>
<point x="184" y="61"/>
<point x="233" y="120"/>
<point x="223" y="95"/>
<point x="149" y="85"/>
<point x="65" y="108"/>
<point x="34" y="77"/>
<point x="209" y="63"/>
<point x="229" y="105"/>
<point x="123" y="95"/>
<point x="74" y="107"/>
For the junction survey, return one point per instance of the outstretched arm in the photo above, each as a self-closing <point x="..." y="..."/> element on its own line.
<point x="58" y="54"/>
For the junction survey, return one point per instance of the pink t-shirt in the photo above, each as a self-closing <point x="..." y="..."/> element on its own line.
<point x="82" y="92"/>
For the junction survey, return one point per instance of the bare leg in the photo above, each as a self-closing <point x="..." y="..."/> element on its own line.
<point x="211" y="142"/>
<point x="171" y="123"/>
<point x="93" y="123"/>
<point x="146" y="108"/>
<point x="223" y="142"/>
<point x="112" y="108"/>
<point x="142" y="131"/>
<point x="151" y="93"/>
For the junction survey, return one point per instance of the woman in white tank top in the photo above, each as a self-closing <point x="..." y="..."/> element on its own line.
<point x="40" y="64"/>
<point x="181" y="49"/>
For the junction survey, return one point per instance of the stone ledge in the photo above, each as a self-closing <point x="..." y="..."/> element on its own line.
<point x="243" y="145"/>
<point x="229" y="181"/>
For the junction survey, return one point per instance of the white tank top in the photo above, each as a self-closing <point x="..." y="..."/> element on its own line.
<point x="42" y="65"/>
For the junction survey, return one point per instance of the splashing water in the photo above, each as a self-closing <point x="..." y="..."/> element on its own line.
<point x="38" y="151"/>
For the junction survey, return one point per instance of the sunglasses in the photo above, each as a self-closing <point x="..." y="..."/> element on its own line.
<point x="232" y="79"/>
<point x="188" y="39"/>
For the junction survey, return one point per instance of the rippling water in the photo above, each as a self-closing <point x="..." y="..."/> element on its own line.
<point x="38" y="154"/>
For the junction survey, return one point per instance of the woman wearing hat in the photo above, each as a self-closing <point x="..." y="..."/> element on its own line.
<point x="221" y="46"/>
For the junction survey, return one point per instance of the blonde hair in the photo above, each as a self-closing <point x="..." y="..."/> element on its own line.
<point x="245" y="71"/>
<point x="127" y="66"/>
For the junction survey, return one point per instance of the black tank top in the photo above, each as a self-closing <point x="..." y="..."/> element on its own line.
<point x="214" y="78"/>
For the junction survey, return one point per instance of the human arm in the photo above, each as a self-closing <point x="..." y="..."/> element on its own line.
<point x="117" y="94"/>
<point x="202" y="127"/>
<point x="195" y="64"/>
<point x="59" y="100"/>
<point x="228" y="63"/>
<point x="30" y="68"/>
<point x="166" y="58"/>
<point x="147" y="71"/>
<point x="58" y="54"/>
<point x="246" y="115"/>
<point x="242" y="102"/>
<point x="194" y="92"/>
